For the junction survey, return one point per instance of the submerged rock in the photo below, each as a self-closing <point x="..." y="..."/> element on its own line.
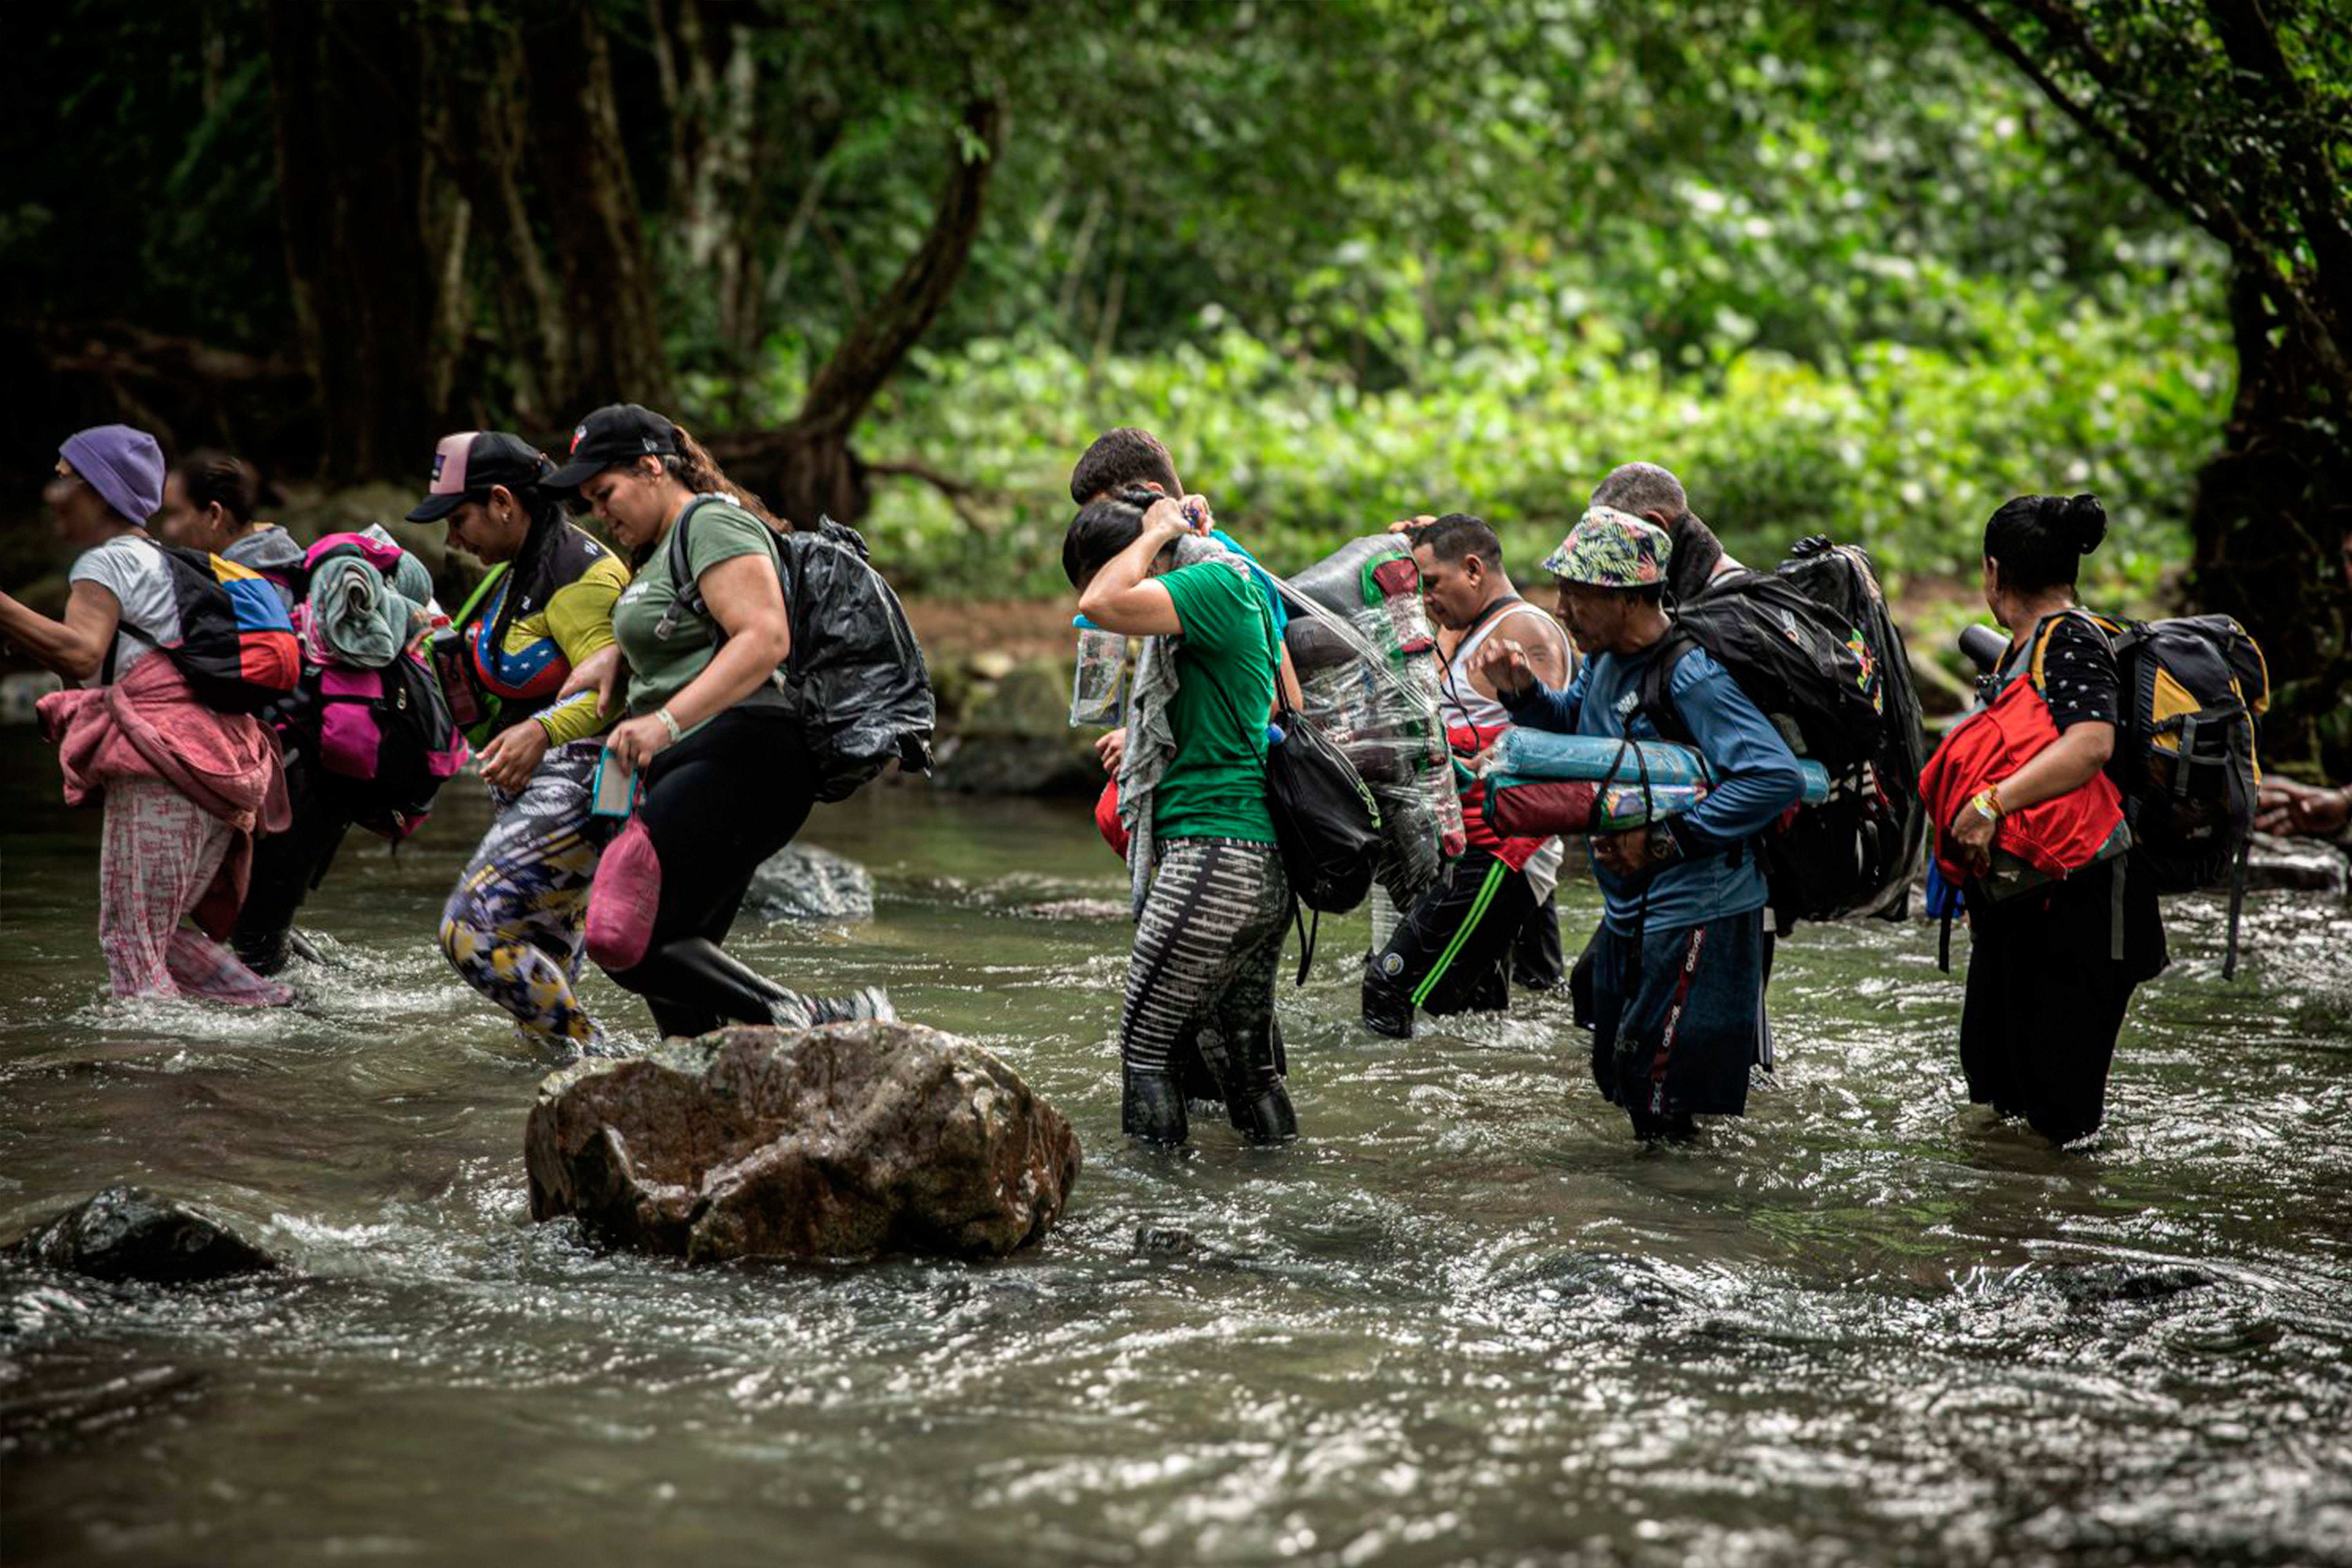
<point x="130" y="1232"/>
<point x="2096" y="1284"/>
<point x="2304" y="865"/>
<point x="842" y="1141"/>
<point x="801" y="881"/>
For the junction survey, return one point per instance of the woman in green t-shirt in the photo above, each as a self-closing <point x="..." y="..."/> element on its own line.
<point x="1209" y="935"/>
<point x="723" y="776"/>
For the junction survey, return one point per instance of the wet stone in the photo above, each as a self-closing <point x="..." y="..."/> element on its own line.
<point x="801" y="881"/>
<point x="842" y="1142"/>
<point x="2096" y="1284"/>
<point x="1015" y="738"/>
<point x="2302" y="865"/>
<point x="130" y="1232"/>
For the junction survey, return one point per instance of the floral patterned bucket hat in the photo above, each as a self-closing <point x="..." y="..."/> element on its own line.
<point x="1612" y="549"/>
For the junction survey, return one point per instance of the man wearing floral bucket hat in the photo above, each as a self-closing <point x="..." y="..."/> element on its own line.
<point x="1678" y="982"/>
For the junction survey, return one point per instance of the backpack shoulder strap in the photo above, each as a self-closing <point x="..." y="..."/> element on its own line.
<point x="1657" y="684"/>
<point x="688" y="600"/>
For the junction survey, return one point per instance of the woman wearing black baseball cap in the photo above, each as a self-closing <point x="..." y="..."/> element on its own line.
<point x="512" y="925"/>
<point x="722" y="775"/>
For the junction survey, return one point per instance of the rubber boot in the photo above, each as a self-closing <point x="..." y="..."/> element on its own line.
<point x="694" y="974"/>
<point x="1151" y="1108"/>
<point x="1267" y="1116"/>
<point x="1387" y="1012"/>
<point x="1257" y="1101"/>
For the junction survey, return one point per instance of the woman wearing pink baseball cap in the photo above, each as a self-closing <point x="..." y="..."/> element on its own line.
<point x="512" y="925"/>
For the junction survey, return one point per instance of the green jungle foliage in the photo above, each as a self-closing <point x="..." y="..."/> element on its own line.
<point x="1842" y="268"/>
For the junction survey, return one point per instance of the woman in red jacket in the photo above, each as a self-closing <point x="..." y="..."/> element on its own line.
<point x="2048" y="979"/>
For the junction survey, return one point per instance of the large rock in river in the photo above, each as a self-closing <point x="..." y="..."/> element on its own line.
<point x="842" y="1141"/>
<point x="803" y="882"/>
<point x="129" y="1233"/>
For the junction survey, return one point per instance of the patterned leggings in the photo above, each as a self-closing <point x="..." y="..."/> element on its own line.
<point x="159" y="854"/>
<point x="513" y="924"/>
<point x="1205" y="954"/>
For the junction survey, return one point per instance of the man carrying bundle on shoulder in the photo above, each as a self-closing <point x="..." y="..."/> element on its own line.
<point x="1678" y="983"/>
<point x="1455" y="950"/>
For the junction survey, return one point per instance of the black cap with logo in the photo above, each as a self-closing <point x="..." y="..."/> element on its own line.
<point x="465" y="467"/>
<point x="614" y="435"/>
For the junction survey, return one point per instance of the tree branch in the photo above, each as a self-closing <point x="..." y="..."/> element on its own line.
<point x="881" y="337"/>
<point x="961" y="495"/>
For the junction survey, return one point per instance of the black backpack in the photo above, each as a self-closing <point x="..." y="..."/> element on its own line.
<point x="1855" y="853"/>
<point x="384" y="740"/>
<point x="1327" y="827"/>
<point x="2193" y="690"/>
<point x="1812" y="646"/>
<point x="855" y="677"/>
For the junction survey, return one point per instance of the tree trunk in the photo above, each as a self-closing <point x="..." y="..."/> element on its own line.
<point x="2270" y="514"/>
<point x="807" y="470"/>
<point x="596" y="229"/>
<point x="344" y="90"/>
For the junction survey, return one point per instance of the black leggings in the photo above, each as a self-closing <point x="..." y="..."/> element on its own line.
<point x="286" y="865"/>
<point x="715" y="806"/>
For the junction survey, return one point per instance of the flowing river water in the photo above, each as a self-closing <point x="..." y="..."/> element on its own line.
<point x="1467" y="1319"/>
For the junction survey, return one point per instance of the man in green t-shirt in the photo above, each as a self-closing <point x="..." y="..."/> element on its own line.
<point x="1193" y="782"/>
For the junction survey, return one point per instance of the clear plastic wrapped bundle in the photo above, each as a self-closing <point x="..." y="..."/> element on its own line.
<point x="1367" y="665"/>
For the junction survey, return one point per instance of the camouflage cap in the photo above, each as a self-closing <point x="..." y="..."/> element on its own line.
<point x="1612" y="549"/>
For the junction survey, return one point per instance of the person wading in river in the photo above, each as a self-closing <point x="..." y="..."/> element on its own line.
<point x="209" y="503"/>
<point x="1213" y="899"/>
<point x="1128" y="460"/>
<point x="184" y="787"/>
<point x="2048" y="985"/>
<point x="1453" y="952"/>
<point x="723" y="776"/>
<point x="1677" y="974"/>
<point x="543" y="617"/>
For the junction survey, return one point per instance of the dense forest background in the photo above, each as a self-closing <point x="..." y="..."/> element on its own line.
<point x="1869" y="267"/>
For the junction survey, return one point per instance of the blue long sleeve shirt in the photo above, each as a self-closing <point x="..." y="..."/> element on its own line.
<point x="1756" y="779"/>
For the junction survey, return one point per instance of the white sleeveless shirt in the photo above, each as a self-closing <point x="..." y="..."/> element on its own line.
<point x="1462" y="703"/>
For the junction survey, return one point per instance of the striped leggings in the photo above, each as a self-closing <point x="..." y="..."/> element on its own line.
<point x="1205" y="954"/>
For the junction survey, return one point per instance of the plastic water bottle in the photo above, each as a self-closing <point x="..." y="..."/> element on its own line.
<point x="1099" y="680"/>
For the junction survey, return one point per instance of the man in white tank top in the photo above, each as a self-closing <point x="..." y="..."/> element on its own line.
<point x="1490" y="916"/>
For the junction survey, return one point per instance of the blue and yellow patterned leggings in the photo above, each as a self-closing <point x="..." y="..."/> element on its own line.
<point x="513" y="924"/>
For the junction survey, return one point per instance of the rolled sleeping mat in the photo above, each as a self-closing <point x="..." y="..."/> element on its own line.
<point x="1520" y="807"/>
<point x="1340" y="582"/>
<point x="1547" y="754"/>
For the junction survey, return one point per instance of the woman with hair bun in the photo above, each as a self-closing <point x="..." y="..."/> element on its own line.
<point x="209" y="502"/>
<point x="2061" y="929"/>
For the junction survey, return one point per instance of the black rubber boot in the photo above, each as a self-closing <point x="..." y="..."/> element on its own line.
<point x="697" y="981"/>
<point x="1386" y="1012"/>
<point x="1267" y="1116"/>
<point x="1151" y="1108"/>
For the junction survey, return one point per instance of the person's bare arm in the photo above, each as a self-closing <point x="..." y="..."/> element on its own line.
<point x="744" y="598"/>
<point x="1122" y="597"/>
<point x="1543" y="653"/>
<point x="74" y="648"/>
